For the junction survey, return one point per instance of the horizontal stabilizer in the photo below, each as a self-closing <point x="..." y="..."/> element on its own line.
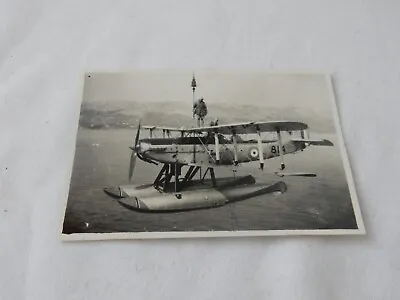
<point x="322" y="142"/>
<point x="304" y="174"/>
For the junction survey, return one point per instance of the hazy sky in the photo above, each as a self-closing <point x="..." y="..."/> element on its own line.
<point x="255" y="88"/>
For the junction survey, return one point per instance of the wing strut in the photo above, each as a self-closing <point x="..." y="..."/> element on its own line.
<point x="280" y="150"/>
<point x="260" y="149"/>
<point x="307" y="136"/>
<point x="217" y="155"/>
<point x="235" y="148"/>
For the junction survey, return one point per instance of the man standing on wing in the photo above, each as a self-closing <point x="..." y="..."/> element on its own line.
<point x="200" y="110"/>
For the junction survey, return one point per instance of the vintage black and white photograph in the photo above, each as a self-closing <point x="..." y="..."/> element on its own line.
<point x="206" y="153"/>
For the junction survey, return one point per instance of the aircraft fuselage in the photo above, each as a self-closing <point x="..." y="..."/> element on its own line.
<point x="202" y="150"/>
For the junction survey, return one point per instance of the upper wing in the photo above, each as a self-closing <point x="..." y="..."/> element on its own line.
<point x="239" y="128"/>
<point x="170" y="129"/>
<point x="253" y="127"/>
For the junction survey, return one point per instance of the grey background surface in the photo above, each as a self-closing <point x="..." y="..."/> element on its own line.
<point x="44" y="46"/>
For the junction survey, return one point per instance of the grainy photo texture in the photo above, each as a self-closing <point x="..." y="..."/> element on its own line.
<point x="207" y="154"/>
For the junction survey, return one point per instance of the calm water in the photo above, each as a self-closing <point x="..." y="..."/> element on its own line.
<point x="102" y="158"/>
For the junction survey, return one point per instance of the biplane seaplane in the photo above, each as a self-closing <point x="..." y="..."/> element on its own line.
<point x="190" y="156"/>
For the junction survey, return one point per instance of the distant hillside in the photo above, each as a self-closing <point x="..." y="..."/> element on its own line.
<point x="120" y="114"/>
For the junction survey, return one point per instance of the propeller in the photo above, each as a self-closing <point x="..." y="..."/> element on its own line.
<point x="134" y="154"/>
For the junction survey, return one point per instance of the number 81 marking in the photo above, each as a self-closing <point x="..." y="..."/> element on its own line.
<point x="275" y="149"/>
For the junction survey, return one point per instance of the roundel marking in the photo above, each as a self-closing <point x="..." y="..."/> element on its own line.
<point x="254" y="153"/>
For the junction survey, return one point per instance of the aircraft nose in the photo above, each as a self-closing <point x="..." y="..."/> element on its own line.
<point x="115" y="192"/>
<point x="141" y="147"/>
<point x="144" y="147"/>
